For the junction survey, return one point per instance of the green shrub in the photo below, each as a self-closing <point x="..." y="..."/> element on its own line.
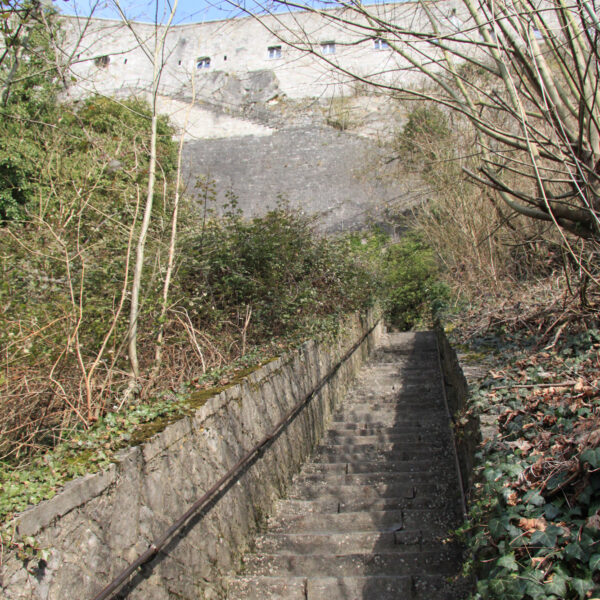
<point x="413" y="290"/>
<point x="275" y="266"/>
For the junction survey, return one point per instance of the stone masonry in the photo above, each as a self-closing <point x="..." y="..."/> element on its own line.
<point x="317" y="170"/>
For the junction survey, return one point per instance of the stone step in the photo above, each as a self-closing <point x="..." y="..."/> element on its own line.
<point x="390" y="418"/>
<point x="395" y="399"/>
<point x="333" y="479"/>
<point x="417" y="435"/>
<point x="375" y="587"/>
<point x="350" y="428"/>
<point x="346" y="543"/>
<point x="328" y="503"/>
<point x="443" y="562"/>
<point x="408" y="490"/>
<point x="421" y="427"/>
<point x="320" y="588"/>
<point x="385" y="521"/>
<point x="366" y="449"/>
<point x="398" y="386"/>
<point x="368" y="516"/>
<point x="381" y="466"/>
<point x="393" y="404"/>
<point x="335" y="454"/>
<point x="399" y="417"/>
<point x="398" y="383"/>
<point x="266" y="588"/>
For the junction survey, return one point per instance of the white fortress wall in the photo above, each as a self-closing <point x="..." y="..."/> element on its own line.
<point x="109" y="60"/>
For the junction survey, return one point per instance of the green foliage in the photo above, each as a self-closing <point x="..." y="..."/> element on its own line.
<point x="28" y="90"/>
<point x="534" y="523"/>
<point x="67" y="231"/>
<point x="274" y="266"/>
<point x="413" y="290"/>
<point x="425" y="131"/>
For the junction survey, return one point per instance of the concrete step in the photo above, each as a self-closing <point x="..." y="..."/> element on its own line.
<point x="320" y="588"/>
<point x="266" y="588"/>
<point x="346" y="543"/>
<point x="390" y="418"/>
<point x="409" y="563"/>
<point x="404" y="489"/>
<point x="418" y="434"/>
<point x="392" y="398"/>
<point x="380" y="466"/>
<point x="365" y="452"/>
<point x="332" y="479"/>
<point x="368" y="516"/>
<point x="350" y="428"/>
<point x="385" y="521"/>
<point x="329" y="503"/>
<point x="335" y="454"/>
<point x="383" y="414"/>
<point x="374" y="587"/>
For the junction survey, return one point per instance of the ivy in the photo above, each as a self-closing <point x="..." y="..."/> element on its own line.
<point x="534" y="525"/>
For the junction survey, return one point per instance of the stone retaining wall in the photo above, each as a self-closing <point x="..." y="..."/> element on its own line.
<point x="320" y="171"/>
<point x="466" y="426"/>
<point x="100" y="523"/>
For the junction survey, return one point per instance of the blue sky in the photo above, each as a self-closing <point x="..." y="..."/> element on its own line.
<point x="188" y="11"/>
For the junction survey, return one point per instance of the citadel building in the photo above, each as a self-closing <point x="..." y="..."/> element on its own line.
<point x="269" y="120"/>
<point x="318" y="54"/>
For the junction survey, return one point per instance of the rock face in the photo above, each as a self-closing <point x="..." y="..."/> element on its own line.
<point x="367" y="516"/>
<point x="235" y="90"/>
<point x="100" y="523"/>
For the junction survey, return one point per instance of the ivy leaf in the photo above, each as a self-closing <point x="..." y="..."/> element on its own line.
<point x="535" y="498"/>
<point x="581" y="586"/>
<point x="575" y="551"/>
<point x="536" y="590"/>
<point x="591" y="456"/>
<point x="557" y="586"/>
<point x="543" y="539"/>
<point x="508" y="562"/>
<point x="595" y="562"/>
<point x="507" y="589"/>
<point x="551" y="511"/>
<point x="498" y="527"/>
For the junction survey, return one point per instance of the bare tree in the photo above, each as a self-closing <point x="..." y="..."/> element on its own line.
<point x="156" y="55"/>
<point x="524" y="73"/>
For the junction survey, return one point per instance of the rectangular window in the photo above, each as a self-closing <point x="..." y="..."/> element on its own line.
<point x="328" y="47"/>
<point x="274" y="51"/>
<point x="102" y="61"/>
<point x="379" y="44"/>
<point x="203" y="63"/>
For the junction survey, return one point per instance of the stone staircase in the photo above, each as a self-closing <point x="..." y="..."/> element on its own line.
<point x="368" y="516"/>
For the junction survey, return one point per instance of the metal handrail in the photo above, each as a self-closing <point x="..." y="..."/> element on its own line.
<point x="160" y="542"/>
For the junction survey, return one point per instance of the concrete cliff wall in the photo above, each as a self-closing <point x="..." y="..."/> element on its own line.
<point x="318" y="170"/>
<point x="100" y="523"/>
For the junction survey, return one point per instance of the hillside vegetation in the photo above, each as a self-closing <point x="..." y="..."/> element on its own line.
<point x="524" y="312"/>
<point x="219" y="296"/>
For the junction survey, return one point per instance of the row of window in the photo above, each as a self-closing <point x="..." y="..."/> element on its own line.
<point x="273" y="52"/>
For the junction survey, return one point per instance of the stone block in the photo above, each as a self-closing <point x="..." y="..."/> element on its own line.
<point x="74" y="494"/>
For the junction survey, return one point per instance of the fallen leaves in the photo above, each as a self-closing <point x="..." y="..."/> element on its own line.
<point x="531" y="525"/>
<point x="540" y="491"/>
